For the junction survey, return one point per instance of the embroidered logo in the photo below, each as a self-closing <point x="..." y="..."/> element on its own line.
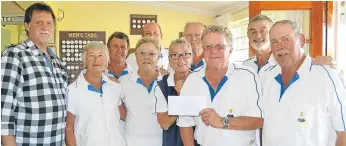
<point x="301" y="118"/>
<point x="230" y="114"/>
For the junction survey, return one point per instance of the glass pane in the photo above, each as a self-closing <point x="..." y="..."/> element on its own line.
<point x="302" y="17"/>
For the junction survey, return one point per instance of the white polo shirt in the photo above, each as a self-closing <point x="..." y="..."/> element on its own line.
<point x="201" y="64"/>
<point x="253" y="63"/>
<point x="126" y="71"/>
<point x="238" y="96"/>
<point x="142" y="104"/>
<point x="163" y="61"/>
<point x="308" y="111"/>
<point x="97" y="113"/>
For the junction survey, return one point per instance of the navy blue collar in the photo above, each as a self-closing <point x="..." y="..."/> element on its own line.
<point x="200" y="63"/>
<point x="211" y="90"/>
<point x="93" y="89"/>
<point x="124" y="72"/>
<point x="258" y="67"/>
<point x="140" y="81"/>
<point x="304" y="69"/>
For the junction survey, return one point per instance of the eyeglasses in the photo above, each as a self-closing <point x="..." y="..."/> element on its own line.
<point x="150" y="54"/>
<point x="218" y="47"/>
<point x="176" y="56"/>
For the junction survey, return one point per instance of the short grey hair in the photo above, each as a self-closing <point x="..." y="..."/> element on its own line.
<point x="218" y="29"/>
<point x="260" y="17"/>
<point x="95" y="45"/>
<point x="296" y="28"/>
<point x="189" y="23"/>
<point x="180" y="41"/>
<point x="150" y="40"/>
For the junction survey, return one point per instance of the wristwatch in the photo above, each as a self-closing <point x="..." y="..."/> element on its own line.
<point x="225" y="122"/>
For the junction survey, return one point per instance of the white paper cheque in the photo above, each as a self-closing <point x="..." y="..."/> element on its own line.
<point x="186" y="105"/>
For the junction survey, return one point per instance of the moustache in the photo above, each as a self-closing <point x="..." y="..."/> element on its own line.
<point x="260" y="39"/>
<point x="45" y="32"/>
<point x="282" y="53"/>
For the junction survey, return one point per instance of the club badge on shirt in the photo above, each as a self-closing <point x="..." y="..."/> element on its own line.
<point x="230" y="114"/>
<point x="301" y="118"/>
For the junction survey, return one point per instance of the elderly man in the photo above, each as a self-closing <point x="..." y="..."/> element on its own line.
<point x="303" y="104"/>
<point x="33" y="85"/>
<point x="233" y="114"/>
<point x="258" y="34"/>
<point x="193" y="32"/>
<point x="152" y="30"/>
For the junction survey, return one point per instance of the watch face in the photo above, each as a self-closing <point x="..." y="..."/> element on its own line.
<point x="225" y="123"/>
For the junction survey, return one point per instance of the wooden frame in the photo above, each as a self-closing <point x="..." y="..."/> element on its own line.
<point x="137" y="22"/>
<point x="316" y="19"/>
<point x="330" y="29"/>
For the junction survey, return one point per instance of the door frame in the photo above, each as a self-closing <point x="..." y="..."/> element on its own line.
<point x="316" y="19"/>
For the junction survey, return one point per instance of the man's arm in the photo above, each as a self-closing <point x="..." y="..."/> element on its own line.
<point x="245" y="123"/>
<point x="210" y="117"/>
<point x="11" y="87"/>
<point x="8" y="140"/>
<point x="341" y="138"/>
<point x="251" y="119"/>
<point x="70" y="137"/>
<point x="325" y="60"/>
<point x="336" y="99"/>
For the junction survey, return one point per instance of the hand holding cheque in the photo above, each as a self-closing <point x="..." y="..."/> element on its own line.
<point x="186" y="105"/>
<point x="194" y="106"/>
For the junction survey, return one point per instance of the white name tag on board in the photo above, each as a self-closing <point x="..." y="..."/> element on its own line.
<point x="186" y="105"/>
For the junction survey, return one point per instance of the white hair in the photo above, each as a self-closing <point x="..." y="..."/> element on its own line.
<point x="95" y="45"/>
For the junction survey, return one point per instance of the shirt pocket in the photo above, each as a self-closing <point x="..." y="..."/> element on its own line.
<point x="302" y="118"/>
<point x="232" y="108"/>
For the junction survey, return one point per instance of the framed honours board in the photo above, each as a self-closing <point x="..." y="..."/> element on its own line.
<point x="137" y="21"/>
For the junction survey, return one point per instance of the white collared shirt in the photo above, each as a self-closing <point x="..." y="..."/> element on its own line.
<point x="238" y="96"/>
<point x="142" y="104"/>
<point x="163" y="61"/>
<point x="126" y="71"/>
<point x="252" y="62"/>
<point x="97" y="114"/>
<point x="201" y="64"/>
<point x="308" y="111"/>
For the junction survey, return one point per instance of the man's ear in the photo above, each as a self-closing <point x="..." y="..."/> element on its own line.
<point x="26" y="26"/>
<point x="302" y="40"/>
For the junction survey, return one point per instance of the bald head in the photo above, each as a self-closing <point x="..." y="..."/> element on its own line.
<point x="153" y="30"/>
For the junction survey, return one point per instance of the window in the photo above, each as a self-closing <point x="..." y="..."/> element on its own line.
<point x="302" y="17"/>
<point x="238" y="26"/>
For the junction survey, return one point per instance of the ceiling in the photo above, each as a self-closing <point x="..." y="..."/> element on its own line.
<point x="212" y="8"/>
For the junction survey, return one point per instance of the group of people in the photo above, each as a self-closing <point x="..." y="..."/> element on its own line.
<point x="281" y="96"/>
